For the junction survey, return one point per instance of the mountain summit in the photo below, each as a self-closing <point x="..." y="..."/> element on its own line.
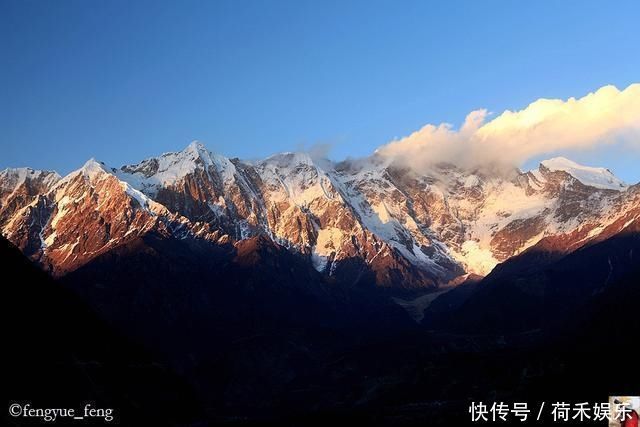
<point x="593" y="177"/>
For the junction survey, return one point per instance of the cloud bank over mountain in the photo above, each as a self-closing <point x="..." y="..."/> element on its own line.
<point x="546" y="126"/>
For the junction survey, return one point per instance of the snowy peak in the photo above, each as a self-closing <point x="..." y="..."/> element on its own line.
<point x="600" y="178"/>
<point x="12" y="178"/>
<point x="92" y="172"/>
<point x="92" y="169"/>
<point x="195" y="146"/>
<point x="289" y="159"/>
<point x="157" y="172"/>
<point x="197" y="152"/>
<point x="297" y="178"/>
<point x="97" y="177"/>
<point x="199" y="185"/>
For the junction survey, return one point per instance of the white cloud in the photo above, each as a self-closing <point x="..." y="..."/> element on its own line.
<point x="546" y="126"/>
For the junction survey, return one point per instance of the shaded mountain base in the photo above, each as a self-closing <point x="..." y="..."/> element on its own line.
<point x="429" y="379"/>
<point x="255" y="340"/>
<point x="543" y="290"/>
<point x="58" y="354"/>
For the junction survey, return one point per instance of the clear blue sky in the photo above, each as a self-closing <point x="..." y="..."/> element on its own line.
<point x="124" y="80"/>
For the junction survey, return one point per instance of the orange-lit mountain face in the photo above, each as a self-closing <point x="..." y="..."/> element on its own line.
<point x="407" y="230"/>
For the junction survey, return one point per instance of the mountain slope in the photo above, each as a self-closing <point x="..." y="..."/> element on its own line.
<point x="241" y="322"/>
<point x="62" y="354"/>
<point x="546" y="289"/>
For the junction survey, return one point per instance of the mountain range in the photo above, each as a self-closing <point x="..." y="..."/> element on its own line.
<point x="368" y="219"/>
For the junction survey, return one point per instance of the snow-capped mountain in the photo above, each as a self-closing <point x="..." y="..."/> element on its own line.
<point x="593" y="177"/>
<point x="410" y="229"/>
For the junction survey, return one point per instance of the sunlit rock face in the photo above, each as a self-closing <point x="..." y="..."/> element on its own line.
<point x="365" y="220"/>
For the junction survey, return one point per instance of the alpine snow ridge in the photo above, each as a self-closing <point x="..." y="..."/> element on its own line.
<point x="411" y="229"/>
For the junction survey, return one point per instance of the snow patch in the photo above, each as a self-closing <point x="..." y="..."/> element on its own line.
<point x="144" y="201"/>
<point x="471" y="181"/>
<point x="478" y="260"/>
<point x="49" y="240"/>
<point x="416" y="307"/>
<point x="318" y="261"/>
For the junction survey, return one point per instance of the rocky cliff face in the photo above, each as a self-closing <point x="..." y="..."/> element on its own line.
<point x="352" y="221"/>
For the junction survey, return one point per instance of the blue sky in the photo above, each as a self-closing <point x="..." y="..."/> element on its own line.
<point x="124" y="80"/>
